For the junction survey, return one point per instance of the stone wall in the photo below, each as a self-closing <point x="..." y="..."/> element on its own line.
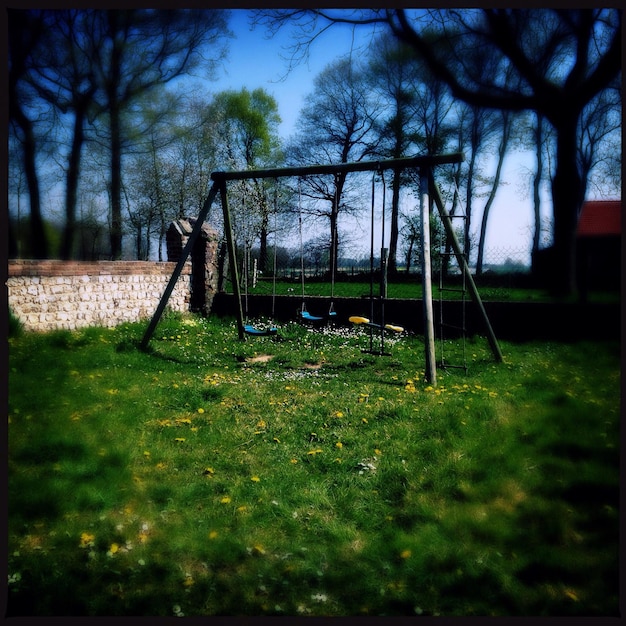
<point x="49" y="295"/>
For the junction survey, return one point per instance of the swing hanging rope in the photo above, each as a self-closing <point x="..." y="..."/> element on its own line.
<point x="357" y="319"/>
<point x="304" y="314"/>
<point x="249" y="329"/>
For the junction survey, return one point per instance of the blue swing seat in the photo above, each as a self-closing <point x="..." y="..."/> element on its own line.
<point x="259" y="332"/>
<point x="307" y="317"/>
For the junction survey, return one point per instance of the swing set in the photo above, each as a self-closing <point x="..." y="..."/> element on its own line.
<point x="424" y="165"/>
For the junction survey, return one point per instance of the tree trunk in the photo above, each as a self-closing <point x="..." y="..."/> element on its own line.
<point x="334" y="215"/>
<point x="116" y="185"/>
<point x="38" y="239"/>
<point x="567" y="199"/>
<point x="537" y="184"/>
<point x="504" y="142"/>
<point x="116" y="147"/>
<point x="71" y="186"/>
<point x="392" y="266"/>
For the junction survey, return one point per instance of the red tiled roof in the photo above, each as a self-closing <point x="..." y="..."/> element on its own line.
<point x="599" y="218"/>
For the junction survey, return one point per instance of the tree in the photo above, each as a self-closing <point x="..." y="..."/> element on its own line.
<point x="505" y="136"/>
<point x="63" y="77"/>
<point x="248" y="128"/>
<point x="415" y="105"/>
<point x="562" y="59"/>
<point x="335" y="126"/>
<point x="141" y="50"/>
<point x="26" y="33"/>
<point x="598" y="134"/>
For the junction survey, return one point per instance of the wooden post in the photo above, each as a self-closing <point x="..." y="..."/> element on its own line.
<point x="460" y="257"/>
<point x="234" y="272"/>
<point x="427" y="297"/>
<point x="195" y="231"/>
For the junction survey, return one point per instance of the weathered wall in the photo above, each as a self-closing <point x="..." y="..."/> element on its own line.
<point x="49" y="295"/>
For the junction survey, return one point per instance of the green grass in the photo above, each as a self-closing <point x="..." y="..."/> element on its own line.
<point x="201" y="478"/>
<point x="404" y="288"/>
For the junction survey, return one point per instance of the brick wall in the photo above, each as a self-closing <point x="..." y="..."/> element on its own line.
<point x="49" y="295"/>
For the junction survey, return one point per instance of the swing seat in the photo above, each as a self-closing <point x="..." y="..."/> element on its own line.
<point x="357" y="319"/>
<point x="307" y="317"/>
<point x="259" y="332"/>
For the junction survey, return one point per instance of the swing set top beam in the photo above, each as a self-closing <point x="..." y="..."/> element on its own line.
<point x="361" y="166"/>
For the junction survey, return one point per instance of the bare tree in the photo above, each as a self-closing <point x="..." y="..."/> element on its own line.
<point x="63" y="77"/>
<point x="335" y="126"/>
<point x="143" y="49"/>
<point x="562" y="59"/>
<point x="26" y="31"/>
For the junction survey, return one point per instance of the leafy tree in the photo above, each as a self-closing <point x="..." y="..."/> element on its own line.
<point x="248" y="129"/>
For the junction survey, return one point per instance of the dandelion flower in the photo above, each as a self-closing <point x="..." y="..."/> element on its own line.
<point x="225" y="500"/>
<point x="405" y="554"/>
<point x="200" y="410"/>
<point x="339" y="445"/>
<point x="86" y="540"/>
<point x="213" y="534"/>
<point x="255" y="479"/>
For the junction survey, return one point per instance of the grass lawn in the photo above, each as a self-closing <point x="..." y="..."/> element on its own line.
<point x="298" y="475"/>
<point x="412" y="288"/>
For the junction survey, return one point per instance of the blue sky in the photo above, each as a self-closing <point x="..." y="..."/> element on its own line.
<point x="255" y="61"/>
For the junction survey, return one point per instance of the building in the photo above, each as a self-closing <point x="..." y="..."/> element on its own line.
<point x="598" y="243"/>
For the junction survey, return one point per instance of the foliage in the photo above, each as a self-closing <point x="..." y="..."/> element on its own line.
<point x="298" y="475"/>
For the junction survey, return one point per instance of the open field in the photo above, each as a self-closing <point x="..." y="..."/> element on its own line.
<point x="490" y="289"/>
<point x="298" y="475"/>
